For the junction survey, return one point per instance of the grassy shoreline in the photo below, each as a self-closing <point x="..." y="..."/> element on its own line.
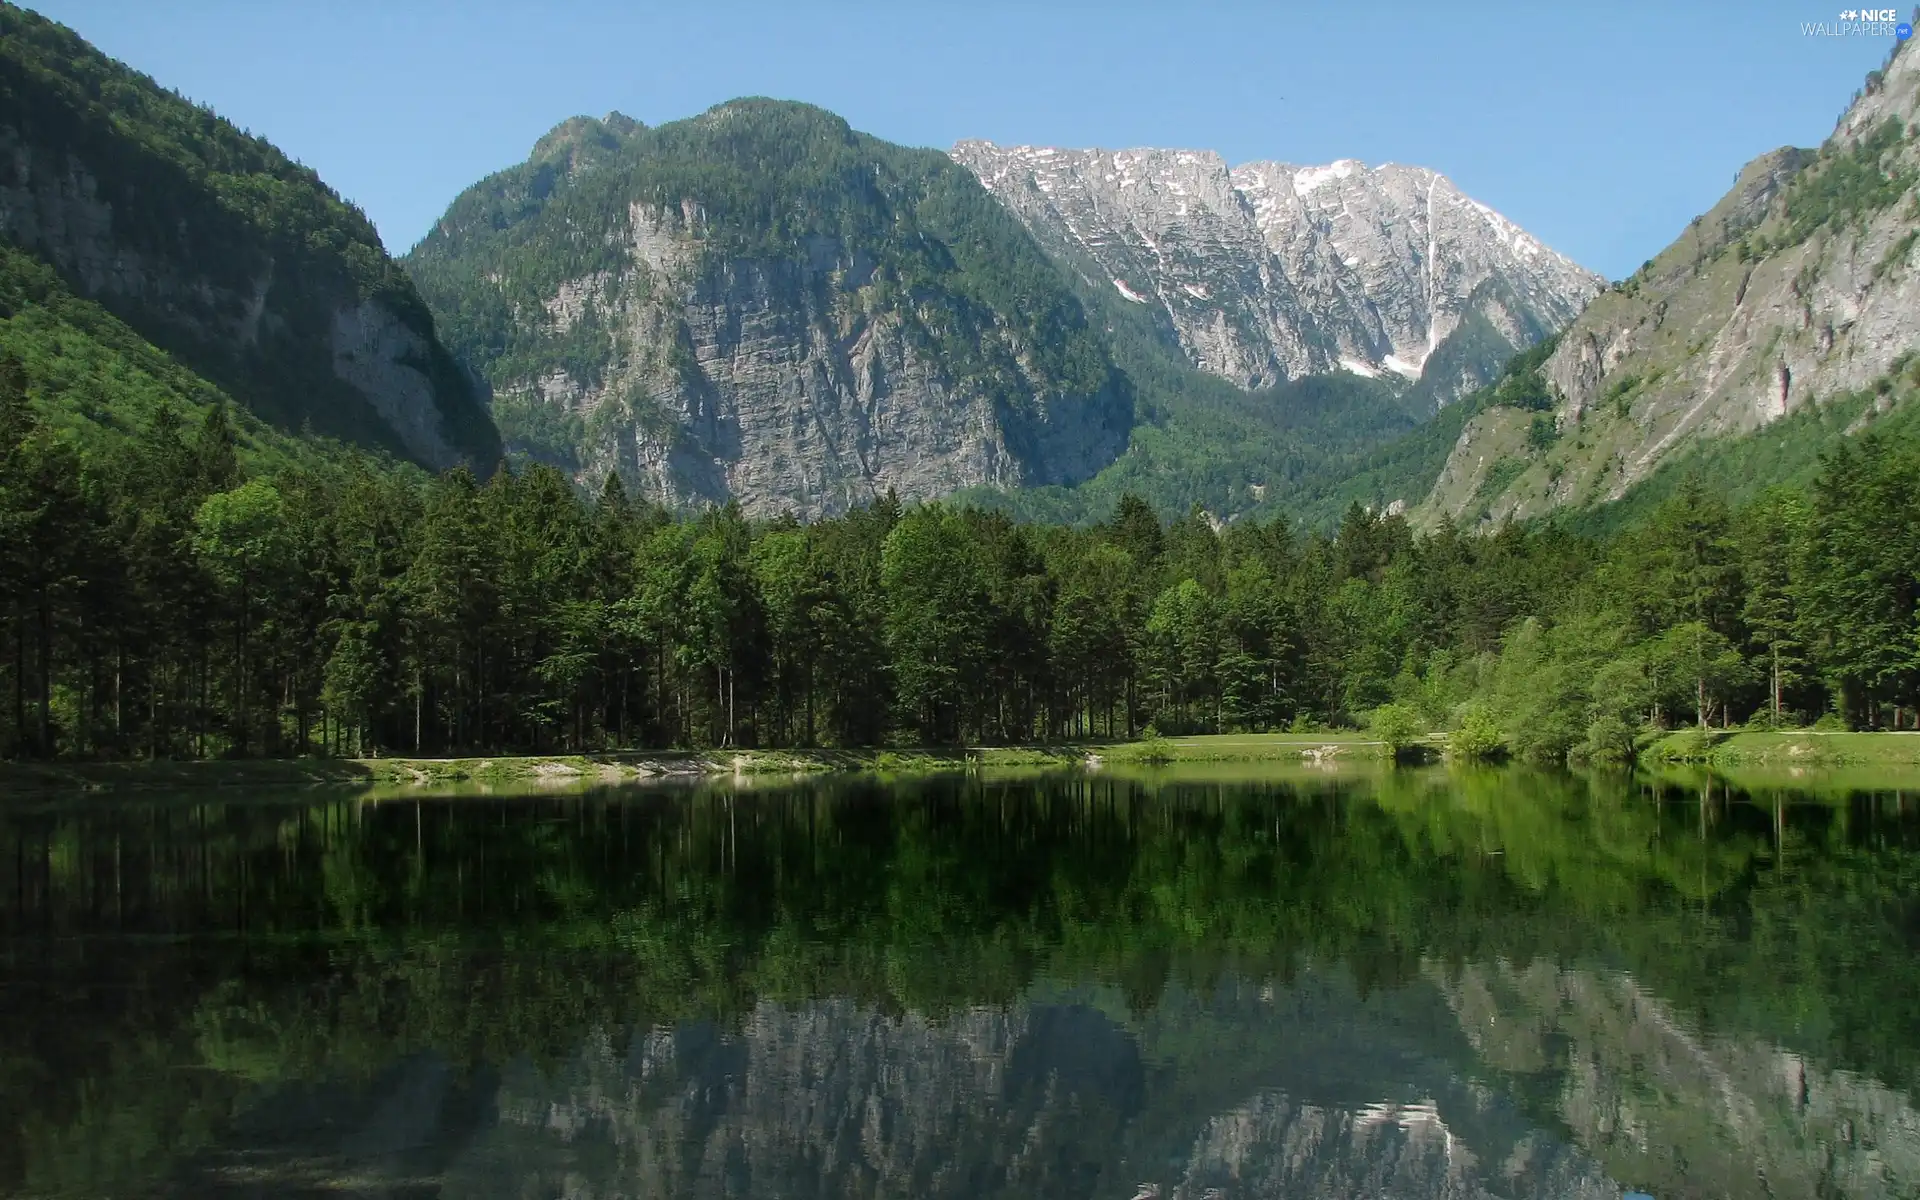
<point x="1785" y="748"/>
<point x="636" y="766"/>
<point x="1786" y="755"/>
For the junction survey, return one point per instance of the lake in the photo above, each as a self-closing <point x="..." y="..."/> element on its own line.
<point x="1204" y="985"/>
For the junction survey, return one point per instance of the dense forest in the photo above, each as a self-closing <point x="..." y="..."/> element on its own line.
<point x="159" y="600"/>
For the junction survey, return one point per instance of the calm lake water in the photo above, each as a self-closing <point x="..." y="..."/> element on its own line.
<point x="1197" y="986"/>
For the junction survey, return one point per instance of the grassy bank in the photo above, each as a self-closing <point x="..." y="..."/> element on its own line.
<point x="561" y="770"/>
<point x="1785" y="748"/>
<point x="1248" y="747"/>
<point x="1784" y="755"/>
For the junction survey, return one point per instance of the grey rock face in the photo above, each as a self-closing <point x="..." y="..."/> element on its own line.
<point x="1268" y="272"/>
<point x="375" y="353"/>
<point x="789" y="385"/>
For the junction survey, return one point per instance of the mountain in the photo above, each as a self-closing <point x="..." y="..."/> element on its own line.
<point x="760" y="304"/>
<point x="1780" y="322"/>
<point x="216" y="249"/>
<point x="1267" y="272"/>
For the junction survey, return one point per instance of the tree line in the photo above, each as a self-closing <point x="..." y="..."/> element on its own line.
<point x="158" y="600"/>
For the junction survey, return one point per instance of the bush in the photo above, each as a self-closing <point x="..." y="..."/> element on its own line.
<point x="1151" y="749"/>
<point x="1609" y="740"/>
<point x="1831" y="722"/>
<point x="1763" y="721"/>
<point x="1542" y="432"/>
<point x="1477" y="736"/>
<point x="1688" y="745"/>
<point x="1396" y="725"/>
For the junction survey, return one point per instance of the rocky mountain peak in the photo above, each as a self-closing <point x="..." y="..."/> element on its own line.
<point x="1269" y="271"/>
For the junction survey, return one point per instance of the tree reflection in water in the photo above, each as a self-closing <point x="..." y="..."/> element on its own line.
<point x="1409" y="984"/>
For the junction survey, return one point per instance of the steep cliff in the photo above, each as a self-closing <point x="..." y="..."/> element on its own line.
<point x="1797" y="292"/>
<point x="215" y="247"/>
<point x="760" y="304"/>
<point x="1268" y="272"/>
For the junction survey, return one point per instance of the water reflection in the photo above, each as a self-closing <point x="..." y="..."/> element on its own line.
<point x="1420" y="984"/>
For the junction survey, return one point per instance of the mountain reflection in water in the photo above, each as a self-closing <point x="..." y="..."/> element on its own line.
<point x="1407" y="985"/>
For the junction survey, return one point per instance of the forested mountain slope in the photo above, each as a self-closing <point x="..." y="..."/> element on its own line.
<point x="88" y="376"/>
<point x="1796" y="292"/>
<point x="761" y="304"/>
<point x="214" y="246"/>
<point x="1267" y="272"/>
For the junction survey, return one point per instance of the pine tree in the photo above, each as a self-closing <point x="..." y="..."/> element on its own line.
<point x="1773" y="531"/>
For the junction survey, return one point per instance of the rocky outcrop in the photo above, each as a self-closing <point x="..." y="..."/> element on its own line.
<point x="788" y="385"/>
<point x="212" y="245"/>
<point x="1797" y="288"/>
<point x="239" y="332"/>
<point x="1268" y="272"/>
<point x="379" y="355"/>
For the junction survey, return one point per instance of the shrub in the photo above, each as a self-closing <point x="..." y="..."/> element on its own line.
<point x="1477" y="737"/>
<point x="1688" y="745"/>
<point x="1542" y="431"/>
<point x="1609" y="740"/>
<point x="1396" y="725"/>
<point x="1151" y="749"/>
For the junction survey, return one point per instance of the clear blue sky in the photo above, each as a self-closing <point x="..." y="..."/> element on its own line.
<point x="1600" y="127"/>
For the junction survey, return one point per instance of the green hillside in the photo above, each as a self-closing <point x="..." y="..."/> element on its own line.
<point x="103" y="386"/>
<point x="211" y="244"/>
<point x="1790" y="452"/>
<point x="1791" y="295"/>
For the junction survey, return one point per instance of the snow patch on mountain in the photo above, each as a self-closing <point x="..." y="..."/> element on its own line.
<point x="1269" y="271"/>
